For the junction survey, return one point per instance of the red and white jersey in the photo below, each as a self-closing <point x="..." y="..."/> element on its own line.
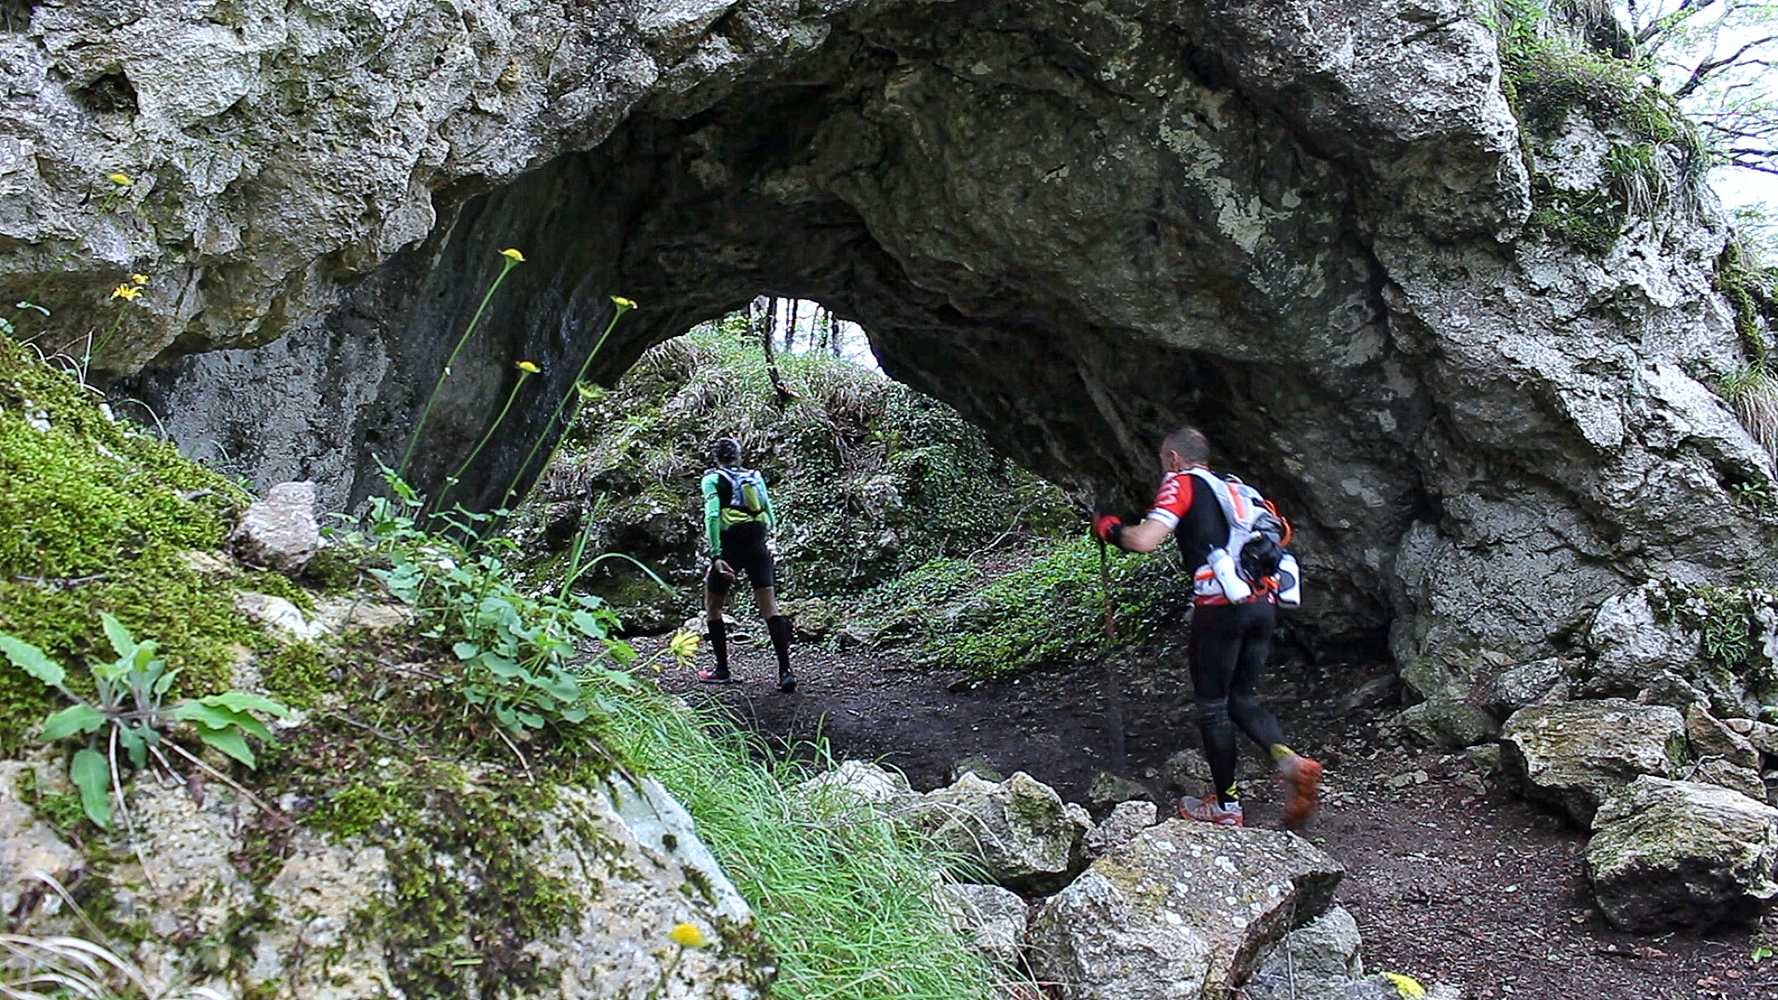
<point x="1173" y="500"/>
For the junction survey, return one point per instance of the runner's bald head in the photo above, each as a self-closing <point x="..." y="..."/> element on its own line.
<point x="1189" y="444"/>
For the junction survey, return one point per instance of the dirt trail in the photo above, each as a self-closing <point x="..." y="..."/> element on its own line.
<point x="1451" y="876"/>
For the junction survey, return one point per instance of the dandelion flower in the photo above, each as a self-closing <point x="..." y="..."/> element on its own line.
<point x="622" y="303"/>
<point x="139" y="279"/>
<point x="512" y="254"/>
<point x="684" y="645"/>
<point x="120" y="179"/>
<point x="126" y="292"/>
<point x="1408" y="987"/>
<point x="528" y="367"/>
<point x="687" y="936"/>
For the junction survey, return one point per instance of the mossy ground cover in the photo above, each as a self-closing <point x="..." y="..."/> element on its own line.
<point x="95" y="515"/>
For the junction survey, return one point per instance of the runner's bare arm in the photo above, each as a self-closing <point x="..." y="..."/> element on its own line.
<point x="1144" y="537"/>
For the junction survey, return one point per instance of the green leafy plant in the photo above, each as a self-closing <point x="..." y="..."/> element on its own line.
<point x="131" y="711"/>
<point x="517" y="649"/>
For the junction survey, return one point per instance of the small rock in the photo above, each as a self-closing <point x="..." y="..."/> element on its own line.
<point x="1126" y="821"/>
<point x="1317" y="961"/>
<point x="1184" y="909"/>
<point x="994" y="919"/>
<point x="279" y="531"/>
<point x="1716" y="771"/>
<point x="977" y="765"/>
<point x="1018" y="832"/>
<point x="1740" y="727"/>
<point x="1377" y="691"/>
<point x="1764" y="737"/>
<point x="279" y="616"/>
<point x="1448" y="722"/>
<point x="855" y="781"/>
<point x="857" y="636"/>
<point x="1710" y="738"/>
<point x="1109" y="789"/>
<point x="1577" y="754"/>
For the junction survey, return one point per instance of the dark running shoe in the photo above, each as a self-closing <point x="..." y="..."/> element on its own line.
<point x="712" y="677"/>
<point x="787" y="683"/>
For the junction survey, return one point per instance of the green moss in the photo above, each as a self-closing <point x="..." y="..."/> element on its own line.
<point x="1589" y="221"/>
<point x="277" y="585"/>
<point x="95" y="516"/>
<point x="351" y="811"/>
<point x="298" y="674"/>
<point x="61" y="810"/>
<point x="1749" y="291"/>
<point x="335" y="570"/>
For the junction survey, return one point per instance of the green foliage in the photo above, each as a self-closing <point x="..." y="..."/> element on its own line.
<point x="1752" y="291"/>
<point x="1049" y="611"/>
<point x="297" y="674"/>
<point x="844" y="897"/>
<point x="131" y="710"/>
<point x="1732" y="623"/>
<point x="96" y="515"/>
<point x="1549" y="72"/>
<point x="869" y="478"/>
<point x="514" y="648"/>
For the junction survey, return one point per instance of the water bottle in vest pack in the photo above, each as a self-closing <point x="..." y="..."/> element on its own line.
<point x="1255" y="557"/>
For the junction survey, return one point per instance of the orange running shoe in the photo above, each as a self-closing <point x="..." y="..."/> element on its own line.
<point x="1210" y="810"/>
<point x="1302" y="784"/>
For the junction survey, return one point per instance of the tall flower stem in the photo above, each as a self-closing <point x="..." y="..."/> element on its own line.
<point x="526" y="370"/>
<point x="623" y="306"/>
<point x="513" y="259"/>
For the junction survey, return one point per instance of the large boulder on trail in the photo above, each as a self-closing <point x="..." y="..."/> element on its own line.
<point x="1576" y="754"/>
<point x="1318" y="961"/>
<point x="1670" y="854"/>
<point x="1184" y="910"/>
<point x="1017" y="833"/>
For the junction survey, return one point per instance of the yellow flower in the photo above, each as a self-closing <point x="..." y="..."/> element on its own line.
<point x="528" y="367"/>
<point x="139" y="279"/>
<point x="687" y="936"/>
<point x="684" y="645"/>
<point x="122" y="180"/>
<point x="1407" y="986"/>
<point x="512" y="254"/>
<point x="126" y="292"/>
<point x="622" y="303"/>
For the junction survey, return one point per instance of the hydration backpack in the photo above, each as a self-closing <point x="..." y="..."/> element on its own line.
<point x="742" y="495"/>
<point x="1258" y="537"/>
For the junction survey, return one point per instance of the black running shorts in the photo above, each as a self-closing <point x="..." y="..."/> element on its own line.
<point x="744" y="549"/>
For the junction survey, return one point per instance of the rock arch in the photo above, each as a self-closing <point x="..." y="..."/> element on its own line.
<point x="1302" y="225"/>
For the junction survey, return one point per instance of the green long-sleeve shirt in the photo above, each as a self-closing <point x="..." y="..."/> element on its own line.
<point x="715" y="520"/>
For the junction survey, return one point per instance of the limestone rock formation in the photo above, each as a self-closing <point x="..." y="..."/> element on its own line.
<point x="1308" y="226"/>
<point x="279" y="531"/>
<point x="1019" y="832"/>
<point x="1678" y="854"/>
<point x="1711" y="738"/>
<point x="857" y="782"/>
<point x="1577" y="754"/>
<point x="326" y="921"/>
<point x="1184" y="910"/>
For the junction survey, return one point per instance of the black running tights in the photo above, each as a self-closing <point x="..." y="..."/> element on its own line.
<point x="1229" y="645"/>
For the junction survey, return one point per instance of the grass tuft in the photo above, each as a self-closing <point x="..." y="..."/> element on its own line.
<point x="846" y="899"/>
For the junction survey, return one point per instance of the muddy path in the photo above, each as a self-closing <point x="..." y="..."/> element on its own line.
<point x="1451" y="876"/>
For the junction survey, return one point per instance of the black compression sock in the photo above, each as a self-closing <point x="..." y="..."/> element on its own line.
<point x="778" y="627"/>
<point x="719" y="642"/>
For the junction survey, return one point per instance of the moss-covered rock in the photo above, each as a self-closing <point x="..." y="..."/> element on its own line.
<point x="1668" y="854"/>
<point x="1575" y="755"/>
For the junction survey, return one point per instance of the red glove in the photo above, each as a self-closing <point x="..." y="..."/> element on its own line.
<point x="1108" y="527"/>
